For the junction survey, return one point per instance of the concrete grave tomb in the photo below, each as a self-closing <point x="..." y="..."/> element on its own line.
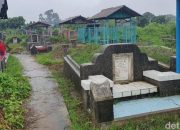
<point x="130" y="75"/>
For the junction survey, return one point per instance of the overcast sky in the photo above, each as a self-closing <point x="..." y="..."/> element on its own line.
<point x="30" y="9"/>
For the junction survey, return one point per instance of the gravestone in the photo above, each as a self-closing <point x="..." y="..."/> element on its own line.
<point x="15" y="40"/>
<point x="103" y="63"/>
<point x="123" y="68"/>
<point x="101" y="102"/>
<point x="65" y="48"/>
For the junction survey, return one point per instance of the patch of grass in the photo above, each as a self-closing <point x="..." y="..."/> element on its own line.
<point x="14" y="89"/>
<point x="47" y="59"/>
<point x="84" y="53"/>
<point x="16" y="48"/>
<point x="153" y="122"/>
<point x="14" y="67"/>
<point x="159" y="53"/>
<point x="79" y="119"/>
<point x="157" y="34"/>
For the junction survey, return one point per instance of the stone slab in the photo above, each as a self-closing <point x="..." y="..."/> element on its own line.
<point x="133" y="89"/>
<point x="98" y="79"/>
<point x="101" y="92"/>
<point x="142" y="107"/>
<point x="161" y="76"/>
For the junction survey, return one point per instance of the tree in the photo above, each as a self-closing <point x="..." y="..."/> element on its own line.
<point x="41" y="18"/>
<point x="163" y="19"/>
<point x="50" y="17"/>
<point x="143" y="22"/>
<point x="12" y="23"/>
<point x="149" y="16"/>
<point x="160" y="19"/>
<point x="145" y="19"/>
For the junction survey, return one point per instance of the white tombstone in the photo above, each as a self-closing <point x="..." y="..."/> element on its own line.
<point x="15" y="40"/>
<point x="123" y="68"/>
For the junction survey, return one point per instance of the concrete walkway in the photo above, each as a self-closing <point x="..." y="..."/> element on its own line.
<point x="47" y="110"/>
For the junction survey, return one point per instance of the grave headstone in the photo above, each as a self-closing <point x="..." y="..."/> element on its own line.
<point x="65" y="48"/>
<point x="15" y="40"/>
<point x="123" y="67"/>
<point x="135" y="63"/>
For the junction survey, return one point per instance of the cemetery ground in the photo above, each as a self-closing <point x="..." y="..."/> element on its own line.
<point x="79" y="118"/>
<point x="12" y="115"/>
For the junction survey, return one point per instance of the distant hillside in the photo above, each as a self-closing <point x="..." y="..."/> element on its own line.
<point x="148" y="18"/>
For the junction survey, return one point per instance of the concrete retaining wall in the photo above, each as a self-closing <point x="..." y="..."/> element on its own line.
<point x="72" y="71"/>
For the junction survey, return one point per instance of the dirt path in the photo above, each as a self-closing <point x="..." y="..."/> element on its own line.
<point x="46" y="105"/>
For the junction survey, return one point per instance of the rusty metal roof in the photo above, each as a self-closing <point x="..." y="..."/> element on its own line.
<point x="107" y="13"/>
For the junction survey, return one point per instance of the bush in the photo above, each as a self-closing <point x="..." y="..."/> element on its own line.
<point x="84" y="53"/>
<point x="58" y="39"/>
<point x="153" y="34"/>
<point x="14" y="88"/>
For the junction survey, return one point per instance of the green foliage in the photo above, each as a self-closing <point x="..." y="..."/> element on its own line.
<point x="14" y="88"/>
<point x="79" y="119"/>
<point x="145" y="19"/>
<point x="12" y="23"/>
<point x="57" y="39"/>
<point x="10" y="33"/>
<point x="55" y="31"/>
<point x="159" y="53"/>
<point x="153" y="34"/>
<point x="47" y="59"/>
<point x="84" y="54"/>
<point x="16" y="48"/>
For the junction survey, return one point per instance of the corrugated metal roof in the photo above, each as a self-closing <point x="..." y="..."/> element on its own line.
<point x="3" y="9"/>
<point x="75" y="20"/>
<point x="39" y="24"/>
<point x="106" y="13"/>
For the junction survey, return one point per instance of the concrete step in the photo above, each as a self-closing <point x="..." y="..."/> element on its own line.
<point x="133" y="89"/>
